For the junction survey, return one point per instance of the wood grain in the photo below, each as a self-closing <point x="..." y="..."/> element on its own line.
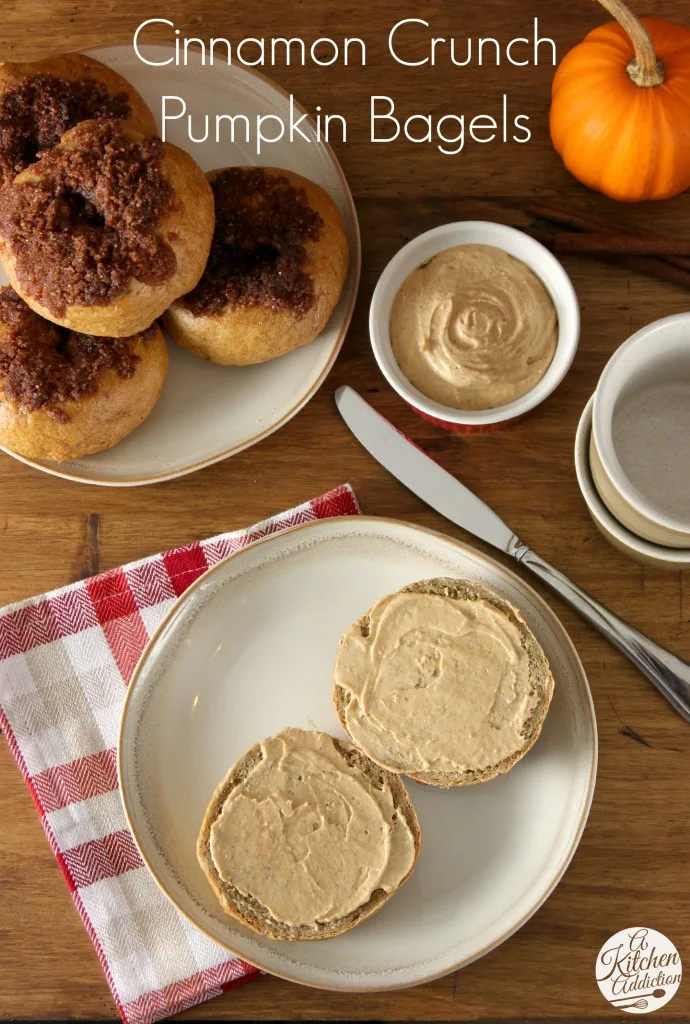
<point x="632" y="865"/>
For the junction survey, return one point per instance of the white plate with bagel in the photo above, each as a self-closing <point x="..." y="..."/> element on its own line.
<point x="249" y="651"/>
<point x="207" y="411"/>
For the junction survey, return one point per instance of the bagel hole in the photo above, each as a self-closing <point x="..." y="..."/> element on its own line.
<point x="260" y="255"/>
<point x="30" y="151"/>
<point x="80" y="210"/>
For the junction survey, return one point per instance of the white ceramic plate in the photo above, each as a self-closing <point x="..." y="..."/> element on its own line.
<point x="250" y="649"/>
<point x="207" y="413"/>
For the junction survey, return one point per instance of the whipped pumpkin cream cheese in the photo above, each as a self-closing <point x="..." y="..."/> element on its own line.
<point x="438" y="684"/>
<point x="308" y="834"/>
<point x="473" y="328"/>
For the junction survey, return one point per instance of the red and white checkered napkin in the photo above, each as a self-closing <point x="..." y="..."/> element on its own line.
<point x="65" y="661"/>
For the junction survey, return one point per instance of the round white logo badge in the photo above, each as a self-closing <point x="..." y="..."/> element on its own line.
<point x="638" y="970"/>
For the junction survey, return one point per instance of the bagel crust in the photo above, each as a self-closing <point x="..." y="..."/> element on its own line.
<point x="276" y="271"/>
<point x="64" y="395"/>
<point x="40" y="100"/>
<point x="107" y="229"/>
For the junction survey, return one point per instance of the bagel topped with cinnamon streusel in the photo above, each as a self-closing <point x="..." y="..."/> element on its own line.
<point x="277" y="267"/>
<point x="63" y="394"/>
<point x="106" y="229"/>
<point x="40" y="100"/>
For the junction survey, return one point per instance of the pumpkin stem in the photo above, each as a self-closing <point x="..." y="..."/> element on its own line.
<point x="645" y="69"/>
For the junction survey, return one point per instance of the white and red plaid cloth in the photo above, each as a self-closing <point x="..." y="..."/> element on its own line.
<point x="65" y="660"/>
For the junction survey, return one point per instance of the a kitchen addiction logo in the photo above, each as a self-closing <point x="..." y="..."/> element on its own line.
<point x="638" y="970"/>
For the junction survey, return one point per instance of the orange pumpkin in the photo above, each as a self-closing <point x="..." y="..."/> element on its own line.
<point x="620" y="111"/>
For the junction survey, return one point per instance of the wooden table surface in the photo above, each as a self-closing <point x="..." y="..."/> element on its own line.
<point x="632" y="865"/>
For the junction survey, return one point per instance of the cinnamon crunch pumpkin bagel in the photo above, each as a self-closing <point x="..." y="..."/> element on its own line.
<point x="277" y="266"/>
<point x="40" y="100"/>
<point x="106" y="229"/>
<point x="63" y="394"/>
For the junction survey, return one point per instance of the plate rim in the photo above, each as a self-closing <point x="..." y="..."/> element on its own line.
<point x="356" y="269"/>
<point x="587" y="701"/>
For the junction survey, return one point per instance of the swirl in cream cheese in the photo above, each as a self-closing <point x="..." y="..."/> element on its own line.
<point x="474" y="328"/>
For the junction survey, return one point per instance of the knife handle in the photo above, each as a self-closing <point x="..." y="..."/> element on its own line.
<point x="670" y="674"/>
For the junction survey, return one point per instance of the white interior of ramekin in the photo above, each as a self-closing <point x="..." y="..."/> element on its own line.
<point x="599" y="509"/>
<point x="652" y="352"/>
<point x="517" y="244"/>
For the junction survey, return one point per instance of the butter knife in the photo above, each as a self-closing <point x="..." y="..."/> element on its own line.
<point x="430" y="482"/>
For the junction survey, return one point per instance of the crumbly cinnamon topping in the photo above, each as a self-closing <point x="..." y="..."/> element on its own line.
<point x="37" y="113"/>
<point x="86" y="227"/>
<point x="43" y="366"/>
<point x="258" y="253"/>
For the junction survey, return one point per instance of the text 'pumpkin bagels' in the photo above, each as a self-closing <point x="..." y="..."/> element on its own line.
<point x="620" y="112"/>
<point x="41" y="100"/>
<point x="107" y="229"/>
<point x="277" y="267"/>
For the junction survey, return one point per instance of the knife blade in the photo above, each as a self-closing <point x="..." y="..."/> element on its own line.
<point x="430" y="482"/>
<point x="420" y="474"/>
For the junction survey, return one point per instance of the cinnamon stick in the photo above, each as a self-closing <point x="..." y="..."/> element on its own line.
<point x="579" y="220"/>
<point x="651" y="266"/>
<point x="602" y="243"/>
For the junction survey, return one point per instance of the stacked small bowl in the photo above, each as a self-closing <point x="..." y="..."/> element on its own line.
<point x="632" y="449"/>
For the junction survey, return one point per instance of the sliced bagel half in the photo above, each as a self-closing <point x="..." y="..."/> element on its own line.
<point x="306" y="837"/>
<point x="443" y="682"/>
